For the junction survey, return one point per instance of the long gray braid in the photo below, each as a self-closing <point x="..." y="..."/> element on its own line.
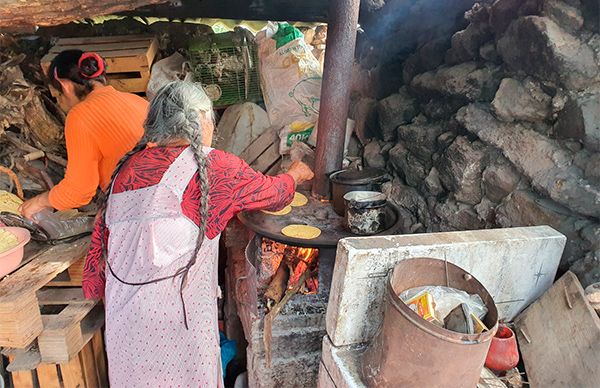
<point x="176" y="113"/>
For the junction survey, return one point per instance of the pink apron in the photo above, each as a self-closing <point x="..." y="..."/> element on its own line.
<point x="146" y="341"/>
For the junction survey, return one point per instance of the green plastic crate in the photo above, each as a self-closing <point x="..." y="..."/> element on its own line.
<point x="227" y="66"/>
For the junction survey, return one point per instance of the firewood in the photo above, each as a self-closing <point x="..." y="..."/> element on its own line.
<point x="268" y="323"/>
<point x="277" y="286"/>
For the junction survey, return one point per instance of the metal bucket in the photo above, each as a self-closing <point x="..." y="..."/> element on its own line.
<point x="365" y="212"/>
<point x="409" y="351"/>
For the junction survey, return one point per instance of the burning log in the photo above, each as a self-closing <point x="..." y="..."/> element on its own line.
<point x="270" y="317"/>
<point x="277" y="287"/>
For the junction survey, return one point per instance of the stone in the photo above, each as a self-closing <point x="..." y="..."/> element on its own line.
<point x="465" y="44"/>
<point x="591" y="14"/>
<point x="432" y="184"/>
<point x="431" y="54"/>
<point x="407" y="165"/>
<point x="364" y="113"/>
<point x="521" y="101"/>
<point x="503" y="12"/>
<point x="460" y="170"/>
<point x="408" y="198"/>
<point x="499" y="179"/>
<point x="393" y="111"/>
<point x="525" y="208"/>
<point x="587" y="269"/>
<point x="410" y="68"/>
<point x="457" y="216"/>
<point x="541" y="48"/>
<point x="580" y="118"/>
<point x="591" y="234"/>
<point x="592" y="169"/>
<point x="373" y="156"/>
<point x="489" y="53"/>
<point x="542" y="160"/>
<point x="445" y="139"/>
<point x="565" y="15"/>
<point x="421" y="140"/>
<point x="467" y="81"/>
<point x="441" y="108"/>
<point x="486" y="210"/>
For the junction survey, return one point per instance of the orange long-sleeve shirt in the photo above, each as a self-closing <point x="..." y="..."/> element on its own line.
<point x="98" y="132"/>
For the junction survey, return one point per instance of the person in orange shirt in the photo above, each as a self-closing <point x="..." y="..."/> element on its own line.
<point x="102" y="125"/>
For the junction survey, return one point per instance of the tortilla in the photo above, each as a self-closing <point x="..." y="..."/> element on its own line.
<point x="9" y="202"/>
<point x="7" y="240"/>
<point x="282" y="212"/>
<point x="304" y="232"/>
<point x="299" y="200"/>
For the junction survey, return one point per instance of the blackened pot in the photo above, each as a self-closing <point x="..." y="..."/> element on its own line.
<point x="365" y="212"/>
<point x="345" y="181"/>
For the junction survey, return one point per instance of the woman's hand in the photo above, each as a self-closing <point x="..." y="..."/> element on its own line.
<point x="300" y="172"/>
<point x="35" y="205"/>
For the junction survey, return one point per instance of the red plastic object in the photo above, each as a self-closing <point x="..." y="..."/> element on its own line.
<point x="503" y="354"/>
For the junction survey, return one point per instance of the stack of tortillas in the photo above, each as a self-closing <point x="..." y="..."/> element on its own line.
<point x="9" y="202"/>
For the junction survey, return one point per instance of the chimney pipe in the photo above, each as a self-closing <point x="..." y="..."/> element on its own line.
<point x="335" y="92"/>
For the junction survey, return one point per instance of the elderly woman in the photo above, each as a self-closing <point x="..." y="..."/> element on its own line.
<point x="170" y="198"/>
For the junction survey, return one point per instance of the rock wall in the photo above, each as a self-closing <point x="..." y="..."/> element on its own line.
<point x="494" y="125"/>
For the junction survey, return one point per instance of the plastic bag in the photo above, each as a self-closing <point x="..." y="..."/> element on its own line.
<point x="290" y="80"/>
<point x="446" y="299"/>
<point x="166" y="70"/>
<point x="63" y="224"/>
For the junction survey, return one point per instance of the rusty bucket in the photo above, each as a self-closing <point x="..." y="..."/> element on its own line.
<point x="409" y="351"/>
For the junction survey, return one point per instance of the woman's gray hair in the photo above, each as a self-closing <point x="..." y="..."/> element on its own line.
<point x="176" y="113"/>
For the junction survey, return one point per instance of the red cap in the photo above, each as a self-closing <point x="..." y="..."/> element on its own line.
<point x="98" y="59"/>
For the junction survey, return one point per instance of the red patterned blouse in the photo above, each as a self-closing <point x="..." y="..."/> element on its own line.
<point x="234" y="187"/>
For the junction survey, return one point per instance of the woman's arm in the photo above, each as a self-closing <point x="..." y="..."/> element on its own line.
<point x="93" y="271"/>
<point x="81" y="177"/>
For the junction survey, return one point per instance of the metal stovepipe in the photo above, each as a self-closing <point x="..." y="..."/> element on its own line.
<point x="335" y="92"/>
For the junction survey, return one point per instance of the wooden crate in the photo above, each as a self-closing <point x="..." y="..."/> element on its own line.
<point x="263" y="153"/>
<point x="20" y="314"/>
<point x="87" y="369"/>
<point x="128" y="58"/>
<point x="71" y="277"/>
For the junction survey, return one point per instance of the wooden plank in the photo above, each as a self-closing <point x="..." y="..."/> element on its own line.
<point x="104" y="39"/>
<point x="100" y="357"/>
<point x="20" y="322"/>
<point x="62" y="337"/>
<point x="24" y="359"/>
<point x="73" y="276"/>
<point x="101" y="47"/>
<point x="152" y="51"/>
<point x="48" y="376"/>
<point x="22" y="379"/>
<point x="72" y="374"/>
<point x="40" y="271"/>
<point x="559" y="337"/>
<point x="260" y="145"/>
<point x="89" y="367"/>
<point x="58" y="296"/>
<point x="131" y="85"/>
<point x="267" y="159"/>
<point x="275" y="169"/>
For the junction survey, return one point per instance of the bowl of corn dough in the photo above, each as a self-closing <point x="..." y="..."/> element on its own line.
<point x="12" y="242"/>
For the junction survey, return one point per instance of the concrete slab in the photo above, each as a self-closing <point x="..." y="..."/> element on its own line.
<point x="516" y="265"/>
<point x="339" y="366"/>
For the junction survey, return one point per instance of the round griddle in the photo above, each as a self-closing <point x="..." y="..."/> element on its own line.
<point x="314" y="213"/>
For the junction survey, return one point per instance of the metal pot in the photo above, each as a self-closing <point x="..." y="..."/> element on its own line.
<point x="345" y="181"/>
<point x="365" y="212"/>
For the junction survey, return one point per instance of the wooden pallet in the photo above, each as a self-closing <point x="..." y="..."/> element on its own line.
<point x="20" y="314"/>
<point x="71" y="277"/>
<point x="87" y="369"/>
<point x="128" y="58"/>
<point x="263" y="153"/>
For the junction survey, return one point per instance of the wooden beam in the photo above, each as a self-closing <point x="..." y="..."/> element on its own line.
<point x="17" y="14"/>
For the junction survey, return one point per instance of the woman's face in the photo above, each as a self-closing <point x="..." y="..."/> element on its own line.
<point x="66" y="99"/>
<point x="208" y="129"/>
